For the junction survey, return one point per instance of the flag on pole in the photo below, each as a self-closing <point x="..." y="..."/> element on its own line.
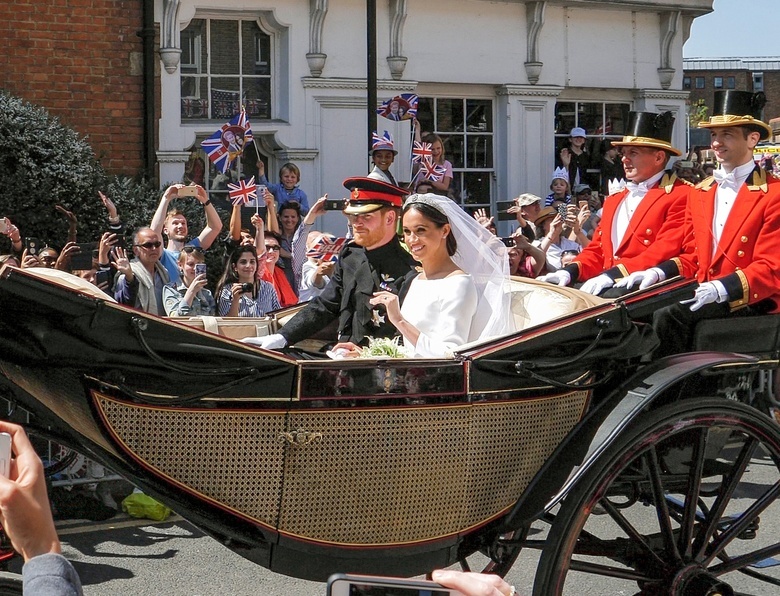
<point x="243" y="192"/>
<point x="433" y="171"/>
<point x="400" y="107"/>
<point x="226" y="144"/>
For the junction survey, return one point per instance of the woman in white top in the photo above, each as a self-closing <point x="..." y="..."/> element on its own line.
<point x="461" y="293"/>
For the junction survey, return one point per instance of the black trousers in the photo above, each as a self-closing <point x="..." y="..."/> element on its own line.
<point x="675" y="324"/>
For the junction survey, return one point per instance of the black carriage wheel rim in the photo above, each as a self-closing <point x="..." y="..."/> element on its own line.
<point x="690" y="545"/>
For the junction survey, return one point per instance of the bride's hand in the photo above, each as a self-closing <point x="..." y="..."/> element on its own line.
<point x="391" y="304"/>
<point x="346" y="349"/>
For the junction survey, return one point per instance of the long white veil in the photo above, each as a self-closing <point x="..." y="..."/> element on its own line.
<point x="484" y="257"/>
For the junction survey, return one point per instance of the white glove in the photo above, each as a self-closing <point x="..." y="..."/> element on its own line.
<point x="269" y="342"/>
<point x="705" y="293"/>
<point x="645" y="279"/>
<point x="560" y="277"/>
<point x="596" y="285"/>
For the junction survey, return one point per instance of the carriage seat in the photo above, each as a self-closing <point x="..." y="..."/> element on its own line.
<point x="746" y="335"/>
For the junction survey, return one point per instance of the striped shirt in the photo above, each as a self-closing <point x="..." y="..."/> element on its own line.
<point x="249" y="307"/>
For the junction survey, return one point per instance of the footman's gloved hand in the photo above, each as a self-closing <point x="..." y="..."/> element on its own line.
<point x="562" y="278"/>
<point x="269" y="342"/>
<point x="645" y="279"/>
<point x="598" y="284"/>
<point x="706" y="293"/>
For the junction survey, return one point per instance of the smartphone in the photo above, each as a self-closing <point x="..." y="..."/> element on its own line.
<point x="335" y="204"/>
<point x="373" y="585"/>
<point x="5" y="454"/>
<point x="83" y="259"/>
<point x="188" y="191"/>
<point x="502" y="207"/>
<point x="200" y="268"/>
<point x="3" y="225"/>
<point x="33" y="246"/>
<point x="103" y="276"/>
<point x="562" y="211"/>
<point x="510" y="242"/>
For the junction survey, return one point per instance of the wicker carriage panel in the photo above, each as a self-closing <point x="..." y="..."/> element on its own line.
<point x="189" y="446"/>
<point x="408" y="475"/>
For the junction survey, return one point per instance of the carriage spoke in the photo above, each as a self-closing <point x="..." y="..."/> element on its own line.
<point x="735" y="563"/>
<point x="727" y="489"/>
<point x="630" y="530"/>
<point x="661" y="507"/>
<point x="742" y="522"/>
<point x="609" y="571"/>
<point x="692" y="496"/>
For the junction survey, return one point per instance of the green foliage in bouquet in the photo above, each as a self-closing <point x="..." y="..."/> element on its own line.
<point x="384" y="347"/>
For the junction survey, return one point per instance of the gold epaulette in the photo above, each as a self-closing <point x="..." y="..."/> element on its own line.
<point x="706" y="184"/>
<point x="759" y="180"/>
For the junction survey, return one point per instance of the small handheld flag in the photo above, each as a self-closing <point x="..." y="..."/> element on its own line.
<point x="326" y="249"/>
<point x="226" y="144"/>
<point x="421" y="152"/>
<point x="433" y="171"/>
<point x="243" y="192"/>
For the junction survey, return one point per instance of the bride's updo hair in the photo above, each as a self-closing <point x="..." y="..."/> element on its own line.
<point x="431" y="211"/>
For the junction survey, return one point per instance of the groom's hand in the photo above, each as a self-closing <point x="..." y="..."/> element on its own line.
<point x="346" y="349"/>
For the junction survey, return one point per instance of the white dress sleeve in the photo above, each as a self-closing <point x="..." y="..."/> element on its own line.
<point x="442" y="310"/>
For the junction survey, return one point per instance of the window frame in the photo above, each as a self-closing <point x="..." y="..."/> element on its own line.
<point x="700" y="83"/>
<point x="717" y="82"/>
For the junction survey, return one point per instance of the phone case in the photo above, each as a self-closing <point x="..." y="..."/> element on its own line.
<point x="339" y="585"/>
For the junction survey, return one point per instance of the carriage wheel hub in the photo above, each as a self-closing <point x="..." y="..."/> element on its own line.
<point x="695" y="581"/>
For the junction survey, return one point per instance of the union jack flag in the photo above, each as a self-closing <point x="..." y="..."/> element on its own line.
<point x="433" y="171"/>
<point x="243" y="192"/>
<point x="326" y="249"/>
<point x="421" y="152"/>
<point x="400" y="107"/>
<point x="225" y="145"/>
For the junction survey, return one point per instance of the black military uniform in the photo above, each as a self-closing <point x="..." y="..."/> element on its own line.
<point x="357" y="275"/>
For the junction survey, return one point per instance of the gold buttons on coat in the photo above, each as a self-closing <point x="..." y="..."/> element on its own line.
<point x="744" y="239"/>
<point x="740" y="253"/>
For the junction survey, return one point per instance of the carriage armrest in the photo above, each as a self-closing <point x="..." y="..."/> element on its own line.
<point x="747" y="335"/>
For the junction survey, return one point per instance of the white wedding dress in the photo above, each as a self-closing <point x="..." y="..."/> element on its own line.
<point x="443" y="311"/>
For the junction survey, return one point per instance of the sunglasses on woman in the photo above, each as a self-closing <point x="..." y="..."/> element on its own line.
<point x="273" y="247"/>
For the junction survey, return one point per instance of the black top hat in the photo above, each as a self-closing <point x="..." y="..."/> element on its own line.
<point x="368" y="194"/>
<point x="648" y="129"/>
<point x="738" y="108"/>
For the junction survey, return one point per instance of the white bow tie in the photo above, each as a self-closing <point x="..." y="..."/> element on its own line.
<point x="725" y="180"/>
<point x="637" y="189"/>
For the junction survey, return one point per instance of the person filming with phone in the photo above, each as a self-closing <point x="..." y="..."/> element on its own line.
<point x="189" y="297"/>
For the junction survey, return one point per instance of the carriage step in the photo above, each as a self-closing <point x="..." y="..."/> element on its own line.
<point x="748" y="533"/>
<point x="763" y="564"/>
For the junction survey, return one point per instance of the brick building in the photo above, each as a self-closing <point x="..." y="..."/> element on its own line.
<point x="82" y="61"/>
<point x="703" y="76"/>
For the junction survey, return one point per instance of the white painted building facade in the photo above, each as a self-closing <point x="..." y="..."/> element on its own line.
<point x="501" y="80"/>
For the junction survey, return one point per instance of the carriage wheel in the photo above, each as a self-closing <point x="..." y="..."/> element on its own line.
<point x="498" y="556"/>
<point x="682" y="503"/>
<point x="10" y="584"/>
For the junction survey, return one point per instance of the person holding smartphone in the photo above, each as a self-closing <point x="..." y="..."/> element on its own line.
<point x="189" y="297"/>
<point x="26" y="517"/>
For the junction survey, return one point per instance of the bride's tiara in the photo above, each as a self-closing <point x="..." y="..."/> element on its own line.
<point x="430" y="199"/>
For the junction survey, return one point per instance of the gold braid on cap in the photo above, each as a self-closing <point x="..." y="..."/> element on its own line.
<point x="430" y="199"/>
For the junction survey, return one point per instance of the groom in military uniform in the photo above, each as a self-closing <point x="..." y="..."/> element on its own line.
<point x="373" y="260"/>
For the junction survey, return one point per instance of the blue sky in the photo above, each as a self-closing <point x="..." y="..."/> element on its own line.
<point x="736" y="28"/>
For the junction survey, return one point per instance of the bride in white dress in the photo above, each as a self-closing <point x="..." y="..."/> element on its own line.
<point x="461" y="294"/>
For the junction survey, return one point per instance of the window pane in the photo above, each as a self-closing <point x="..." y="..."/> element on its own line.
<point x="617" y="118"/>
<point x="479" y="116"/>
<point x="257" y="98"/>
<point x="224" y="42"/>
<point x="225" y="97"/>
<point x="686" y="82"/>
<point x="717" y="82"/>
<point x="700" y="82"/>
<point x="589" y="116"/>
<point x="477" y="188"/>
<point x="194" y="100"/>
<point x="449" y="115"/>
<point x="425" y="114"/>
<point x="565" y="117"/>
<point x="731" y="82"/>
<point x="255" y="49"/>
<point x="453" y="150"/>
<point x="480" y="151"/>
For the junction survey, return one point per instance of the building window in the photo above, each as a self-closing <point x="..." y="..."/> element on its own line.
<point x="700" y="82"/>
<point x="226" y="64"/>
<point x="601" y="120"/>
<point x="758" y="81"/>
<point x="717" y="82"/>
<point x="731" y="82"/>
<point x="686" y="82"/>
<point x="466" y="128"/>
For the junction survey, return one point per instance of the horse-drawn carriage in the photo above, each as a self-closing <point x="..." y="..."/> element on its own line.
<point x="653" y="474"/>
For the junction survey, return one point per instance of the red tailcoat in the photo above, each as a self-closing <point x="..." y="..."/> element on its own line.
<point x="747" y="257"/>
<point x="654" y="233"/>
